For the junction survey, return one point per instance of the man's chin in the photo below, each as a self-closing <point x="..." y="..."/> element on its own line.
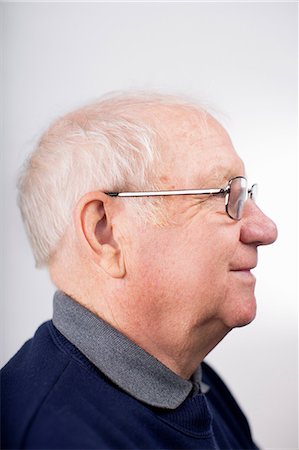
<point x="243" y="315"/>
<point x="247" y="319"/>
<point x="245" y="322"/>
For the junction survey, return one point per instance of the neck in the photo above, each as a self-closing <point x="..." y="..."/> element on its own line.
<point x="176" y="342"/>
<point x="181" y="350"/>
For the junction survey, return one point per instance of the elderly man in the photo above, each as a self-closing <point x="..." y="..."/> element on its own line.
<point x="139" y="206"/>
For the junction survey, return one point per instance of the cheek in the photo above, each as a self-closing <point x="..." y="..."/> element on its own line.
<point x="203" y="272"/>
<point x="195" y="274"/>
<point x="184" y="270"/>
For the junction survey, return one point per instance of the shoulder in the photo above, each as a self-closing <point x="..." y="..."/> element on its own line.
<point x="25" y="381"/>
<point x="45" y="370"/>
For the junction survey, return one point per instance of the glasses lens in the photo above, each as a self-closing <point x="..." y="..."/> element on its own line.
<point x="253" y="192"/>
<point x="237" y="197"/>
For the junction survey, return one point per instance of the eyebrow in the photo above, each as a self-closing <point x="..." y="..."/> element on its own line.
<point x="216" y="180"/>
<point x="224" y="174"/>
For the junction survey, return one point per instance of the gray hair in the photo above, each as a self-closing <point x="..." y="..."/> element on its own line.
<point x="107" y="146"/>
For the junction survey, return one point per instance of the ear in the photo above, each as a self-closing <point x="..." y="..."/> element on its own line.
<point x="93" y="221"/>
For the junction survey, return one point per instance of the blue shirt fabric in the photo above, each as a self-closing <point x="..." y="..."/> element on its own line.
<point x="53" y="397"/>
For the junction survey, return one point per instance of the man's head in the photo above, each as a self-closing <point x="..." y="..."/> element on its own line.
<point x="164" y="271"/>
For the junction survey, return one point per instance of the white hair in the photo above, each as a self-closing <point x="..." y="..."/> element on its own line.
<point x="107" y="146"/>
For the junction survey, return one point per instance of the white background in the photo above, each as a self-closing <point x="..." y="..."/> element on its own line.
<point x="239" y="58"/>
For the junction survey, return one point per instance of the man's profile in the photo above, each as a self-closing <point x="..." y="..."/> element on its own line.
<point x="139" y="206"/>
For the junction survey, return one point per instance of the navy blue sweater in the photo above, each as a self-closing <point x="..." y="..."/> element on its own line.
<point x="53" y="397"/>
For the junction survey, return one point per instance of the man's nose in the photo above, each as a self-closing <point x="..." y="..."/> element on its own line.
<point x="256" y="227"/>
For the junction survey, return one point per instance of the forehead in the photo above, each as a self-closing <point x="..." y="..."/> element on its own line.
<point x="198" y="152"/>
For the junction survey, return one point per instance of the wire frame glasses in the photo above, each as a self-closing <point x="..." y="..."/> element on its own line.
<point x="236" y="193"/>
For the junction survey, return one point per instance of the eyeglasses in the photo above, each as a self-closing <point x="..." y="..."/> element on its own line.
<point x="236" y="193"/>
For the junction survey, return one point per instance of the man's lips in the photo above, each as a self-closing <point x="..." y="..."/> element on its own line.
<point x="245" y="273"/>
<point x="244" y="268"/>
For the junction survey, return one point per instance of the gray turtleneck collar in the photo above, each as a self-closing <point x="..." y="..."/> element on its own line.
<point x="121" y="360"/>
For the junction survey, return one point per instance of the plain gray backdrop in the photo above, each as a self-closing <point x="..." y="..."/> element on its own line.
<point x="238" y="58"/>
